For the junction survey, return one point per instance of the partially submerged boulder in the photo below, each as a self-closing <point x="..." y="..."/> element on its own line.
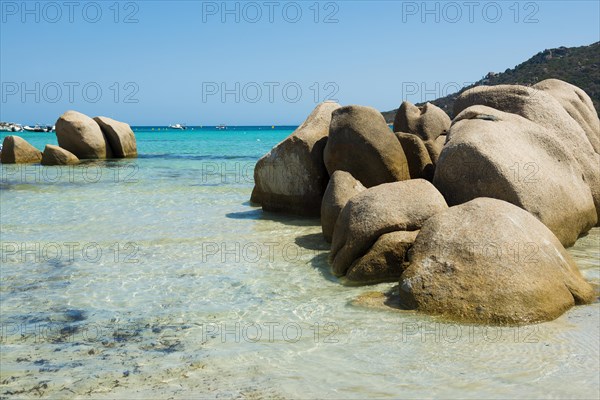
<point x="120" y="137"/>
<point x="292" y="176"/>
<point x="501" y="155"/>
<point x="54" y="155"/>
<point x="341" y="188"/>
<point x="488" y="261"/>
<point x="82" y="136"/>
<point x="16" y="150"/>
<point x="428" y="121"/>
<point x="361" y="143"/>
<point x="399" y="206"/>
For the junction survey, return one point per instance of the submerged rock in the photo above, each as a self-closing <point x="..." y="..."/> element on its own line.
<point x="361" y="143"/>
<point x="292" y="176"/>
<point x="488" y="261"/>
<point x="16" y="150"/>
<point x="341" y="188"/>
<point x="82" y="136"/>
<point x="54" y="155"/>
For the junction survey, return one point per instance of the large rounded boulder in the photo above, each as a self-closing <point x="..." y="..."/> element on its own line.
<point x="398" y="206"/>
<point x="16" y="150"/>
<point x="491" y="153"/>
<point x="428" y="121"/>
<point x="578" y="104"/>
<point x="361" y="143"/>
<point x="120" y="137"/>
<point x="54" y="155"/>
<point x="490" y="262"/>
<point x="82" y="136"/>
<point x="542" y="108"/>
<point x="292" y="177"/>
<point x="341" y="188"/>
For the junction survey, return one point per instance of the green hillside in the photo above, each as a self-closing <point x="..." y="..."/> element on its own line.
<point x="577" y="65"/>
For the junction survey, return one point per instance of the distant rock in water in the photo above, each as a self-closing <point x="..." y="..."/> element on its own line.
<point x="16" y="150"/>
<point x="120" y="137"/>
<point x="82" y="136"/>
<point x="488" y="261"/>
<point x="54" y="155"/>
<point x="292" y="178"/>
<point x="361" y="143"/>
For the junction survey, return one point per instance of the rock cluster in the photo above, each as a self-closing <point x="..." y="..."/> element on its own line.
<point x="79" y="137"/>
<point x="470" y="216"/>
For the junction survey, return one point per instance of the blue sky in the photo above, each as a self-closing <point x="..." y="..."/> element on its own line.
<point x="264" y="62"/>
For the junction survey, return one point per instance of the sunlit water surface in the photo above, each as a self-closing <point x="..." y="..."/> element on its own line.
<point x="154" y="277"/>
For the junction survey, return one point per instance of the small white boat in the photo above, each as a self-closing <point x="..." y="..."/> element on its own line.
<point x="221" y="127"/>
<point x="36" y="128"/>
<point x="178" y="126"/>
<point x="39" y="128"/>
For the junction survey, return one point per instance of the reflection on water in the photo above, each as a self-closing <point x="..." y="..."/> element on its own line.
<point x="168" y="284"/>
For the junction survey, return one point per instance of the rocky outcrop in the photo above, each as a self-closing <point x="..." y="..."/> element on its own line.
<point x="16" y="150"/>
<point x="341" y="188"/>
<point x="292" y="176"/>
<point x="495" y="154"/>
<point x="399" y="206"/>
<point x="82" y="136"/>
<point x="488" y="261"/>
<point x="428" y="121"/>
<point x="361" y="143"/>
<point x="54" y="155"/>
<point x="120" y="137"/>
<point x="577" y="104"/>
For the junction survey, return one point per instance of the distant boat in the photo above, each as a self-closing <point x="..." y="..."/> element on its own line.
<point x="39" y="128"/>
<point x="221" y="127"/>
<point x="178" y="126"/>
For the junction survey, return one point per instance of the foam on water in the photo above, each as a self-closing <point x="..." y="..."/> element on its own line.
<point x="195" y="292"/>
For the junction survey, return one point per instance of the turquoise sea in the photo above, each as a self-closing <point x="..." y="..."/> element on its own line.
<point x="155" y="278"/>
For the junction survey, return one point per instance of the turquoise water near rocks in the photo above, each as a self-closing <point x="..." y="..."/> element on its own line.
<point x="154" y="278"/>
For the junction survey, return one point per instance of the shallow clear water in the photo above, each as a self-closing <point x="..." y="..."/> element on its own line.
<point x="154" y="277"/>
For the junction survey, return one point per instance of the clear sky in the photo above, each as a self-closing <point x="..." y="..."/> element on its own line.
<point x="264" y="62"/>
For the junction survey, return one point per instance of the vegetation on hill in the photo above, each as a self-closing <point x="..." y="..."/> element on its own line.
<point x="579" y="66"/>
